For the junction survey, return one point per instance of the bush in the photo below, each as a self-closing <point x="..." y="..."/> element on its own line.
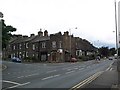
<point x="84" y="58"/>
<point x="88" y="57"/>
<point x="30" y="59"/>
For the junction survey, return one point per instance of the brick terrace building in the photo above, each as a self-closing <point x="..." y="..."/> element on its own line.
<point x="52" y="48"/>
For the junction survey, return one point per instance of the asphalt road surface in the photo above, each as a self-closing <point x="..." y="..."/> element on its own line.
<point x="50" y="75"/>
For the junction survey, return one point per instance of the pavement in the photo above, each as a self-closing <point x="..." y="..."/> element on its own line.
<point x="109" y="79"/>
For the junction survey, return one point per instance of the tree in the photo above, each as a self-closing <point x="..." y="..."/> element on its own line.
<point x="112" y="51"/>
<point x="104" y="51"/>
<point x="6" y="33"/>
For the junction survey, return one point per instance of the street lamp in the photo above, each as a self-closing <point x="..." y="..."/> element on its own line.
<point x="1" y="16"/>
<point x="70" y="39"/>
<point x="116" y="30"/>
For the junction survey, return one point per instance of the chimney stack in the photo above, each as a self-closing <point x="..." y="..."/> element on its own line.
<point x="40" y="33"/>
<point x="45" y="33"/>
<point x="66" y="33"/>
<point x="31" y="35"/>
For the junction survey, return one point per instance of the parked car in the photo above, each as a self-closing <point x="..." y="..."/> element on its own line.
<point x="110" y="58"/>
<point x="16" y="59"/>
<point x="73" y="60"/>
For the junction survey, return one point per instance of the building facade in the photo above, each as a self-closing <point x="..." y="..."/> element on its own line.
<point x="56" y="47"/>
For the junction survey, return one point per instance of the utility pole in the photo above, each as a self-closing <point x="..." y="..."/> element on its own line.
<point x="117" y="38"/>
<point x="71" y="41"/>
<point x="116" y="30"/>
<point x="70" y="44"/>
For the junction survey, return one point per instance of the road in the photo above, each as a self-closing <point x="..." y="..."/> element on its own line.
<point x="50" y="75"/>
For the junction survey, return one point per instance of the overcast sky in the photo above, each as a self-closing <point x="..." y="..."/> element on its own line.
<point x="94" y="19"/>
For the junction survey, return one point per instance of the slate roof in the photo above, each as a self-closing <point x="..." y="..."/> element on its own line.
<point x="42" y="38"/>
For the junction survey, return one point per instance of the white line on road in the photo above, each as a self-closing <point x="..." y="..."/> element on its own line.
<point x="47" y="77"/>
<point x="109" y="66"/>
<point x="28" y="75"/>
<point x="86" y="81"/>
<point x="51" y="71"/>
<point x="111" y="69"/>
<point x="75" y="68"/>
<point x="19" y="85"/>
<point x="81" y="68"/>
<point x="51" y="77"/>
<point x="56" y="75"/>
<point x="69" y="69"/>
<point x="66" y="68"/>
<point x="32" y="75"/>
<point x="69" y="72"/>
<point x="20" y="77"/>
<point x="10" y="82"/>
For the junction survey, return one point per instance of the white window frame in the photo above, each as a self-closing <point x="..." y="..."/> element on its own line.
<point x="60" y="44"/>
<point x="26" y="45"/>
<point x="14" y="47"/>
<point x="20" y="46"/>
<point x="33" y="46"/>
<point x="43" y="45"/>
<point x="26" y="54"/>
<point x="54" y="44"/>
<point x="9" y="45"/>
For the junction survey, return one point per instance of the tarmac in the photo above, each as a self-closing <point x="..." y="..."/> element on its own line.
<point x="108" y="80"/>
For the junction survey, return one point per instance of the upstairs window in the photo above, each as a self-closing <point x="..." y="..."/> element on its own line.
<point x="26" y="45"/>
<point x="54" y="44"/>
<point x="33" y="46"/>
<point x="43" y="45"/>
<point x="60" y="44"/>
<point x="20" y="46"/>
<point x="14" y="47"/>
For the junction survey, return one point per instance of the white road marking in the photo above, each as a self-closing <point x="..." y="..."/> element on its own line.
<point x="47" y="77"/>
<point x="10" y="82"/>
<point x="69" y="72"/>
<point x="75" y="68"/>
<point x="69" y="69"/>
<point x="19" y="85"/>
<point x="28" y="75"/>
<point x="81" y="68"/>
<point x="88" y="66"/>
<point x="56" y="75"/>
<point x="51" y="77"/>
<point x="109" y="66"/>
<point x="20" y="77"/>
<point x="111" y="69"/>
<point x="51" y="71"/>
<point x="32" y="75"/>
<point x="66" y="68"/>
<point x="88" y="80"/>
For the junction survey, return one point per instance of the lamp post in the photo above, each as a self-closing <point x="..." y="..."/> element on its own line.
<point x="116" y="30"/>
<point x="1" y="16"/>
<point x="71" y="41"/>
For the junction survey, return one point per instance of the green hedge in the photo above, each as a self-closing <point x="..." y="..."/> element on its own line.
<point x="88" y="57"/>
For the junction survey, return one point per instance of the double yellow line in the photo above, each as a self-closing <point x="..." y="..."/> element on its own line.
<point x="86" y="81"/>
